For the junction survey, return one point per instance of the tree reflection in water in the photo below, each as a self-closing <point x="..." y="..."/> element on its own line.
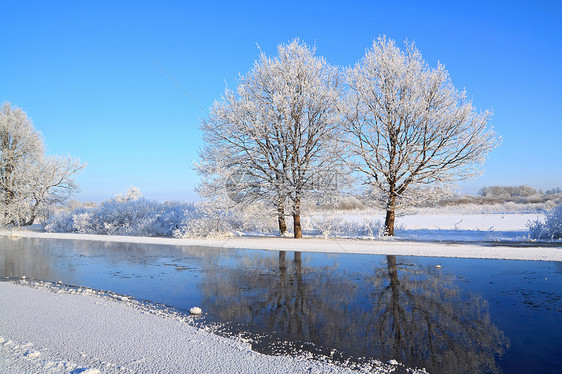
<point x="413" y="314"/>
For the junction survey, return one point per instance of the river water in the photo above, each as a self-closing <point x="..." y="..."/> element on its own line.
<point x="446" y="315"/>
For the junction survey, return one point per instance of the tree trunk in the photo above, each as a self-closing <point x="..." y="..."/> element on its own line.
<point x="389" y="223"/>
<point x="281" y="219"/>
<point x="297" y="218"/>
<point x="390" y="215"/>
<point x="32" y="216"/>
<point x="297" y="225"/>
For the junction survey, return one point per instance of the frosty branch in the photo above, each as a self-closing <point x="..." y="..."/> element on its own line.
<point x="277" y="130"/>
<point x="409" y="131"/>
<point x="29" y="180"/>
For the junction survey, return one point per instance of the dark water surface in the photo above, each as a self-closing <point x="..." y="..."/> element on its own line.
<point x="471" y="316"/>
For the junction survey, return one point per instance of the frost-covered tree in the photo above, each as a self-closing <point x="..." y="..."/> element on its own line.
<point x="132" y="194"/>
<point x="275" y="138"/>
<point x="29" y="179"/>
<point x="410" y="132"/>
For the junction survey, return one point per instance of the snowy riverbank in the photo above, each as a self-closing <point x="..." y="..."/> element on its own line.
<point x="45" y="329"/>
<point x="509" y="250"/>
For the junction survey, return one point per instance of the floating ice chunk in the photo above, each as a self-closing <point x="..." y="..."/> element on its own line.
<point x="392" y="362"/>
<point x="86" y="371"/>
<point x="32" y="354"/>
<point x="195" y="310"/>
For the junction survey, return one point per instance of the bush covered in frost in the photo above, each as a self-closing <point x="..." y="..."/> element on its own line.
<point x="128" y="214"/>
<point x="131" y="214"/>
<point x="330" y="226"/>
<point x="551" y="228"/>
<point x="212" y="221"/>
<point x="217" y="225"/>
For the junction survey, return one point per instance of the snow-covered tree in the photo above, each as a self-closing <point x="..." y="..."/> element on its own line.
<point x="274" y="140"/>
<point x="133" y="193"/>
<point x="29" y="179"/>
<point x="410" y="132"/>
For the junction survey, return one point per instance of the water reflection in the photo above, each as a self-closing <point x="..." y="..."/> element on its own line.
<point x="425" y="318"/>
<point x="49" y="259"/>
<point x="17" y="260"/>
<point x="414" y="314"/>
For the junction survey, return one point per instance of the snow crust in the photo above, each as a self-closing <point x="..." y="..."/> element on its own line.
<point x="44" y="329"/>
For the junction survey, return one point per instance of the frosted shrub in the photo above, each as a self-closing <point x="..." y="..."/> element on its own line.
<point x="370" y="228"/>
<point x="551" y="228"/>
<point x="77" y="220"/>
<point x="367" y="228"/>
<point x="332" y="226"/>
<point x="171" y="218"/>
<point x="327" y="225"/>
<point x="127" y="214"/>
<point x="256" y="218"/>
<point x="125" y="217"/>
<point x="207" y="225"/>
<point x="81" y="221"/>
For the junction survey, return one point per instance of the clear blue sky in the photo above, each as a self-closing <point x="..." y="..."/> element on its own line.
<point x="83" y="72"/>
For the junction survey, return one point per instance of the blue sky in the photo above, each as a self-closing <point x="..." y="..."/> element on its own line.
<point x="83" y="72"/>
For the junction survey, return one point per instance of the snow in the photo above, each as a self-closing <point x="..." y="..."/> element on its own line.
<point x="466" y="232"/>
<point x="476" y="222"/>
<point x="45" y="329"/>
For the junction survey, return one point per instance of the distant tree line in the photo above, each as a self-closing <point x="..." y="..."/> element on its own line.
<point x="509" y="191"/>
<point x="523" y="194"/>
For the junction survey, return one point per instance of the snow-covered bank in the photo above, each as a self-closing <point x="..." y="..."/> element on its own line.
<point x="42" y="331"/>
<point x="481" y="221"/>
<point x="356" y="246"/>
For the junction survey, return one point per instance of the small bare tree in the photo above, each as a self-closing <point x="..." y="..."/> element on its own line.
<point x="29" y="180"/>
<point x="271" y="140"/>
<point x="409" y="131"/>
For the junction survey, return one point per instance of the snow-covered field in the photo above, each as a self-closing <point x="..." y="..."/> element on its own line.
<point x="475" y="222"/>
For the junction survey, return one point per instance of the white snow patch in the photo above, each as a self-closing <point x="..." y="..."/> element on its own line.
<point x="93" y="333"/>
